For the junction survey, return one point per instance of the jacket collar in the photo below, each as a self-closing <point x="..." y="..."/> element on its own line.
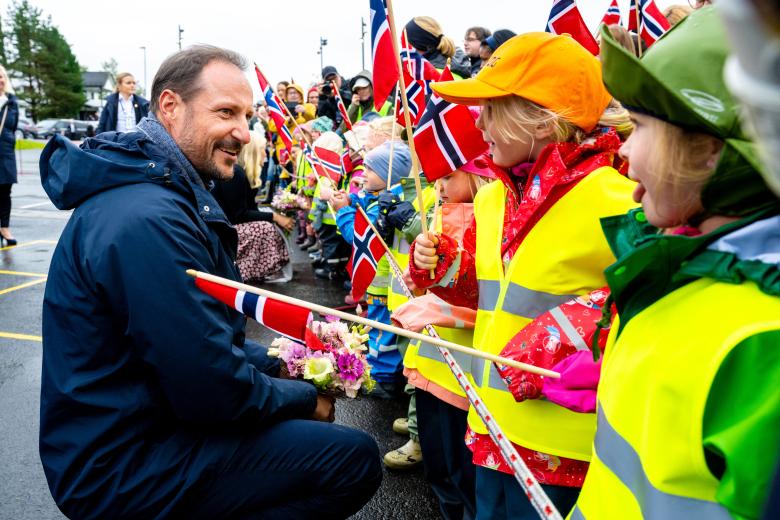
<point x="651" y="265"/>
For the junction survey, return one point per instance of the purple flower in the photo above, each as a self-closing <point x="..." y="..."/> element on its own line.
<point x="350" y="367"/>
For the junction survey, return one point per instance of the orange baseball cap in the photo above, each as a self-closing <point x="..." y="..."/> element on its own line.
<point x="553" y="71"/>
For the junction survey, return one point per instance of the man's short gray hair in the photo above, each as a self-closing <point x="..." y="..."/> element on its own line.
<point x="180" y="72"/>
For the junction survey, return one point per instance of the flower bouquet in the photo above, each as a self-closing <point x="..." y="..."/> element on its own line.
<point x="288" y="203"/>
<point x="333" y="358"/>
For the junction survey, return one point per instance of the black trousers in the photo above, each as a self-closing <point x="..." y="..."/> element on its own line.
<point x="5" y="204"/>
<point x="446" y="459"/>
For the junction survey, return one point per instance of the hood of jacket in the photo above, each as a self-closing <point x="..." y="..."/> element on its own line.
<point x="70" y="174"/>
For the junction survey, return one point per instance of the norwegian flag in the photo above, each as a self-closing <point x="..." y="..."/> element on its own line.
<point x="447" y="136"/>
<point x="347" y="164"/>
<point x="565" y="18"/>
<point x="653" y="24"/>
<point x="385" y="66"/>
<point x="286" y="319"/>
<point x="415" y="95"/>
<point x="367" y="250"/>
<point x="419" y="68"/>
<point x="275" y="110"/>
<point x="612" y="16"/>
<point x="341" y="106"/>
<point x="327" y="163"/>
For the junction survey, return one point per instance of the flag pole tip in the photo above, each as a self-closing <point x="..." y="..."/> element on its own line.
<point x="192" y="272"/>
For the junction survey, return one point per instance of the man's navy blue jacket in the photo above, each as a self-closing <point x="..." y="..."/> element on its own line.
<point x="135" y="358"/>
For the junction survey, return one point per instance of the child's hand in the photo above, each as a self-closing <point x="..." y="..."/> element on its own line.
<point x="340" y="200"/>
<point x="425" y="256"/>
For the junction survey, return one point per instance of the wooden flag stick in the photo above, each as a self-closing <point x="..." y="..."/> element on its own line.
<point x="371" y="323"/>
<point x="392" y="151"/>
<point x="407" y="119"/>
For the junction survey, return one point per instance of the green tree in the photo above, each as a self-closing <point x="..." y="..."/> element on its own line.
<point x="41" y="56"/>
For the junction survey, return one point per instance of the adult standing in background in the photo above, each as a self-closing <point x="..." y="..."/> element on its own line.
<point x="124" y="109"/>
<point x="9" y="118"/>
<point x="426" y="35"/>
<point x="471" y="42"/>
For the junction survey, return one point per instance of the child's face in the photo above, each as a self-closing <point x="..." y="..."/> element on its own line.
<point x="456" y="188"/>
<point x="505" y="153"/>
<point x="373" y="181"/>
<point x="655" y="190"/>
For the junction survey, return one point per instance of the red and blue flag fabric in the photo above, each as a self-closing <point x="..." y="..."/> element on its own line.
<point x="415" y="96"/>
<point x="275" y="110"/>
<point x="327" y="163"/>
<point x="347" y="164"/>
<point x="612" y="16"/>
<point x="565" y="18"/>
<point x="385" y="65"/>
<point x="367" y="250"/>
<point x="341" y="106"/>
<point x="652" y="23"/>
<point x="284" y="318"/>
<point x="447" y="136"/>
<point x="419" y="68"/>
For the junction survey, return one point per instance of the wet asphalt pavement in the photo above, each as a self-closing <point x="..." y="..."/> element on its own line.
<point x="24" y="494"/>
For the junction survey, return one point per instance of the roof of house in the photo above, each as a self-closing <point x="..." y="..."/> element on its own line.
<point x="94" y="79"/>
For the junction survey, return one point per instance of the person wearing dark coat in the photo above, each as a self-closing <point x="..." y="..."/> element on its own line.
<point x="153" y="402"/>
<point x="9" y="120"/>
<point x="124" y="108"/>
<point x="327" y="103"/>
<point x="425" y="34"/>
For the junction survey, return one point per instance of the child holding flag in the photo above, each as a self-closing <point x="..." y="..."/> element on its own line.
<point x="441" y="404"/>
<point x="382" y="354"/>
<point x="688" y="403"/>
<point x="535" y="243"/>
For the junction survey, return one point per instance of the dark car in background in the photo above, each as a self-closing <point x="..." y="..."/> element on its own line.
<point x="26" y="129"/>
<point x="73" y="129"/>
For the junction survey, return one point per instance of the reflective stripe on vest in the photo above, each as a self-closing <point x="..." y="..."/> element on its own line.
<point x="563" y="255"/>
<point x="569" y="329"/>
<point x="429" y="351"/>
<point x="618" y="455"/>
<point x="656" y="382"/>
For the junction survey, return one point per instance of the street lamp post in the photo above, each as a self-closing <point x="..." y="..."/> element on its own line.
<point x="146" y="85"/>
<point x="362" y="43"/>
<point x="180" y="31"/>
<point x="323" y="43"/>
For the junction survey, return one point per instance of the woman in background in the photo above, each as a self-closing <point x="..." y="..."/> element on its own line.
<point x="124" y="108"/>
<point x="9" y="118"/>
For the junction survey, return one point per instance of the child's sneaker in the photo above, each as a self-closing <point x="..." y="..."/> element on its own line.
<point x="401" y="426"/>
<point x="408" y="456"/>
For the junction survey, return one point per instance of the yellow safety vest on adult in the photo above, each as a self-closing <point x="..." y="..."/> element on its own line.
<point x="648" y="458"/>
<point x="563" y="256"/>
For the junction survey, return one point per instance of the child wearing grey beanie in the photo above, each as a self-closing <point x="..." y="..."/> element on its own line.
<point x="377" y="165"/>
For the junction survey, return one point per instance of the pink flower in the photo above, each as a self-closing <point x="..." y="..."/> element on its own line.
<point x="350" y="366"/>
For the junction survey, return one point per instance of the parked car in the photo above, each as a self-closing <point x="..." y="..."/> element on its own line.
<point x="42" y="126"/>
<point x="26" y="129"/>
<point x="71" y="128"/>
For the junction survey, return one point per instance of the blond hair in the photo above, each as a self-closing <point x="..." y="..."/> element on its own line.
<point x="512" y="116"/>
<point x="681" y="161"/>
<point x="252" y="157"/>
<point x="381" y="130"/>
<point x="675" y="14"/>
<point x="120" y="77"/>
<point x="8" y="89"/>
<point x="428" y="24"/>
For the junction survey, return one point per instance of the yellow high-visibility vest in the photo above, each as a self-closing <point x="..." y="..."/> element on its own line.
<point x="562" y="257"/>
<point x="648" y="460"/>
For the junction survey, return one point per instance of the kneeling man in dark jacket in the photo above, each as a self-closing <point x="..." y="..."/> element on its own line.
<point x="153" y="403"/>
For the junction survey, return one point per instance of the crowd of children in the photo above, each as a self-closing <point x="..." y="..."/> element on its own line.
<point x="617" y="231"/>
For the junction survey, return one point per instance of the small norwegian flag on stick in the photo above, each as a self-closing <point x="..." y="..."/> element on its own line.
<point x="367" y="250"/>
<point x="341" y="106"/>
<point x="652" y="23"/>
<point x="385" y="66"/>
<point x="565" y="18"/>
<point x="275" y="110"/>
<point x="447" y="136"/>
<point x="284" y="318"/>
<point x="612" y="16"/>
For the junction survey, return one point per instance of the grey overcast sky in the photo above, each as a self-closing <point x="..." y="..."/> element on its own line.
<point x="281" y="36"/>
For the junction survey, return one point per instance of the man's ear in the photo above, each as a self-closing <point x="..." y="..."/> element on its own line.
<point x="170" y="106"/>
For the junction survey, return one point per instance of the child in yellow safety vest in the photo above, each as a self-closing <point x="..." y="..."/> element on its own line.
<point x="535" y="243"/>
<point x="441" y="405"/>
<point x="688" y="402"/>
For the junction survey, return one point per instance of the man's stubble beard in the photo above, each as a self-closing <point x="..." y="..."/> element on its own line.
<point x="206" y="167"/>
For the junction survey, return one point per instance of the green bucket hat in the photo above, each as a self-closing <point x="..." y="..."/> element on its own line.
<point x="680" y="80"/>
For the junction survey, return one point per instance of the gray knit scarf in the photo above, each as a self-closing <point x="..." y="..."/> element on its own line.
<point x="155" y="131"/>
